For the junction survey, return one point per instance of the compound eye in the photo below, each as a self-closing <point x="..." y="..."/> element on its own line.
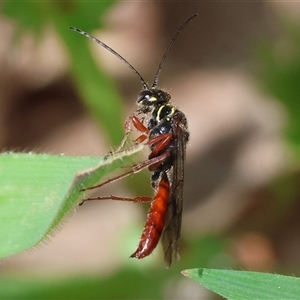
<point x="146" y="98"/>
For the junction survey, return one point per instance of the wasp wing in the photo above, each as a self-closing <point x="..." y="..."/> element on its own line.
<point x="171" y="233"/>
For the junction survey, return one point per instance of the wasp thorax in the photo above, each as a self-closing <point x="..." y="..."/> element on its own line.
<point x="164" y="112"/>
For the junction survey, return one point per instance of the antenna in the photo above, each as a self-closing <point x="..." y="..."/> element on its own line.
<point x="145" y="85"/>
<point x="156" y="78"/>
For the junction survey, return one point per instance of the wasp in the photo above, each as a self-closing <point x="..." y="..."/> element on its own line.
<point x="164" y="128"/>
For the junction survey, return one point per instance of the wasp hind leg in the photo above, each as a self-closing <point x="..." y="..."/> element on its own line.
<point x="116" y="198"/>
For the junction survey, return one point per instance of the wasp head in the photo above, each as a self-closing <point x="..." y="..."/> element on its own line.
<point x="147" y="100"/>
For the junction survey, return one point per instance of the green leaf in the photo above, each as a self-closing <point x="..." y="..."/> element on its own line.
<point x="246" y="285"/>
<point x="38" y="190"/>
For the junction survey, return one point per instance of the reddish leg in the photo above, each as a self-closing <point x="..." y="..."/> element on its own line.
<point x="134" y="169"/>
<point x="137" y="124"/>
<point x="111" y="197"/>
<point x="162" y="141"/>
<point x="153" y="161"/>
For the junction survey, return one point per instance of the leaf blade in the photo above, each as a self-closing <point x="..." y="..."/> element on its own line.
<point x="36" y="192"/>
<point x="246" y="285"/>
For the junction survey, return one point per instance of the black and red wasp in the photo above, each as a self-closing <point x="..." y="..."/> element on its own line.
<point x="166" y="133"/>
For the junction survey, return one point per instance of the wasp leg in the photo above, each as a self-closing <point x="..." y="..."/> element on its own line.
<point x="134" y="169"/>
<point x="116" y="198"/>
<point x="137" y="124"/>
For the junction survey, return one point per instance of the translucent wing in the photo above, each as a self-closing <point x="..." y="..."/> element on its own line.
<point x="171" y="233"/>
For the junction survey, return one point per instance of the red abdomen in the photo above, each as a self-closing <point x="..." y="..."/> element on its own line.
<point x="155" y="220"/>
